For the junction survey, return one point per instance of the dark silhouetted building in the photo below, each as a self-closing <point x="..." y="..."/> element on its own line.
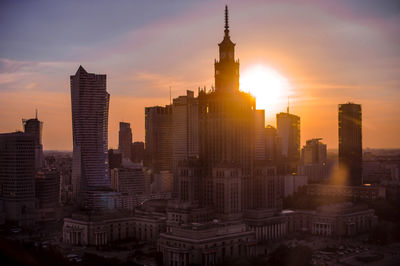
<point x="227" y="136"/>
<point x="47" y="190"/>
<point x="288" y="126"/>
<point x="137" y="152"/>
<point x="34" y="127"/>
<point x="350" y="143"/>
<point x="260" y="135"/>
<point x="226" y="115"/>
<point x="185" y="130"/>
<point x="313" y="161"/>
<point x="272" y="145"/>
<point x="125" y="140"/>
<point x="90" y="170"/>
<point x="17" y="176"/>
<point x="158" y="130"/>
<point x="114" y="159"/>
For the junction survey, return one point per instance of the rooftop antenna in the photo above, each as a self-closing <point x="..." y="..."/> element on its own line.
<point x="170" y="102"/>
<point x="226" y="21"/>
<point x="35" y="113"/>
<point x="287" y="105"/>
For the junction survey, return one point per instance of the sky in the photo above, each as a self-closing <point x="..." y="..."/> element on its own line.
<point x="330" y="52"/>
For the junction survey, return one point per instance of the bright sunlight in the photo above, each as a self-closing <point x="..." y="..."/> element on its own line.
<point x="270" y="88"/>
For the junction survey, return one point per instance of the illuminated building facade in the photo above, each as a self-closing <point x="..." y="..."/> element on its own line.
<point x="288" y="126"/>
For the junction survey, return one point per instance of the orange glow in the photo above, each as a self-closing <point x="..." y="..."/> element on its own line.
<point x="270" y="88"/>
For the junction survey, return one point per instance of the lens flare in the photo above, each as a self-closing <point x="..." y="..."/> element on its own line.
<point x="270" y="88"/>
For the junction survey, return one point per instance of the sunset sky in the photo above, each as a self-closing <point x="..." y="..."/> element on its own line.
<point x="330" y="52"/>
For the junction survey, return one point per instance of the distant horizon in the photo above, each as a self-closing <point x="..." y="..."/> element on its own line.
<point x="328" y="150"/>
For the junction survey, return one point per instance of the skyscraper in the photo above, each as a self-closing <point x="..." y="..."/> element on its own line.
<point x="227" y="135"/>
<point x="288" y="126"/>
<point x="226" y="115"/>
<point x="47" y="191"/>
<point x="90" y="171"/>
<point x="350" y="142"/>
<point x="314" y="152"/>
<point x="17" y="176"/>
<point x="185" y="130"/>
<point x="34" y="127"/>
<point x="313" y="161"/>
<point x="125" y="140"/>
<point x="158" y="130"/>
<point x="260" y="135"/>
<point x="137" y="152"/>
<point x="272" y="144"/>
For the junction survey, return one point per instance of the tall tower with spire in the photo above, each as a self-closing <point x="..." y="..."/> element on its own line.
<point x="226" y="68"/>
<point x="226" y="134"/>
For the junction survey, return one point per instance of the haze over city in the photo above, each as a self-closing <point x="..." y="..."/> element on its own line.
<point x="320" y="53"/>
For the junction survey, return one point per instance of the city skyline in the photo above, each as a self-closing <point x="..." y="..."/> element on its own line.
<point x="356" y="49"/>
<point x="232" y="173"/>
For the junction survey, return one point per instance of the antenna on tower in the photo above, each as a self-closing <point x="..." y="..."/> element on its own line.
<point x="170" y="101"/>
<point x="35" y="113"/>
<point x="226" y="21"/>
<point x="287" y="105"/>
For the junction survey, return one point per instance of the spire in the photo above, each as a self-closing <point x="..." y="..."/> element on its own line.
<point x="226" y="21"/>
<point x="81" y="70"/>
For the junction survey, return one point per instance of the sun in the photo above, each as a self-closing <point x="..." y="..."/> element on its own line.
<point x="270" y="88"/>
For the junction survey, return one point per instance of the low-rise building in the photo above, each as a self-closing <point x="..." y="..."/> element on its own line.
<point x="368" y="193"/>
<point x="206" y="244"/>
<point x="344" y="219"/>
<point x="292" y="183"/>
<point x="267" y="224"/>
<point x="96" y="229"/>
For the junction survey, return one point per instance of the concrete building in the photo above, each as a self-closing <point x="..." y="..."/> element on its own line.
<point x="267" y="224"/>
<point x="263" y="190"/>
<point x="47" y="192"/>
<point x="128" y="180"/>
<point x="90" y="170"/>
<point x="190" y="180"/>
<point x="125" y="140"/>
<point x="227" y="115"/>
<point x="350" y="143"/>
<point x="159" y="140"/>
<point x="162" y="182"/>
<point x="137" y="152"/>
<point x="179" y="212"/>
<point x="368" y="193"/>
<point x="260" y="136"/>
<point x="97" y="229"/>
<point x="206" y="244"/>
<point x="35" y="128"/>
<point x="314" y="161"/>
<point x="17" y="177"/>
<point x="292" y="184"/>
<point x="185" y="128"/>
<point x="104" y="228"/>
<point x="273" y="145"/>
<point x="227" y="193"/>
<point x="288" y="126"/>
<point x="114" y="159"/>
<point x="338" y="220"/>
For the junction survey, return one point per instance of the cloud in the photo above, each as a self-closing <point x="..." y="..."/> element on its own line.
<point x="12" y="66"/>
